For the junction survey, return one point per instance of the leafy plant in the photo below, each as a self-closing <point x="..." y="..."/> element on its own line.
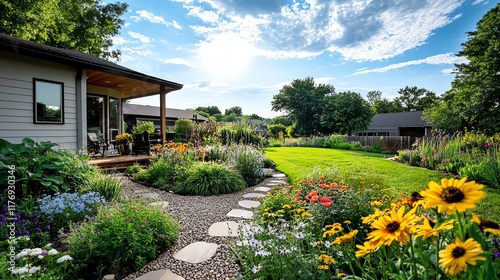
<point x="209" y="178"/>
<point x="107" y="186"/>
<point x="142" y="126"/>
<point x="40" y="169"/>
<point x="98" y="245"/>
<point x="248" y="162"/>
<point x="123" y="138"/>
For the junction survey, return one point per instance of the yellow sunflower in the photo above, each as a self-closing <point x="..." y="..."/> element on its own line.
<point x="371" y="218"/>
<point x="487" y="226"/>
<point x="427" y="229"/>
<point x="346" y="237"/>
<point x="455" y="257"/>
<point x="393" y="227"/>
<point x="453" y="195"/>
<point x="332" y="229"/>
<point x="366" y="248"/>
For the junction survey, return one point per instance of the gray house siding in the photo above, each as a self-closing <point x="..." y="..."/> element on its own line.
<point x="16" y="100"/>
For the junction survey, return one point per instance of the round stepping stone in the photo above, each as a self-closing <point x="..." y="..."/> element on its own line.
<point x="229" y="228"/>
<point x="254" y="195"/>
<point x="249" y="203"/>
<point x="239" y="213"/>
<point x="262" y="189"/>
<point x="274" y="184"/>
<point x="277" y="181"/>
<point x="162" y="204"/>
<point x="279" y="175"/>
<point x="196" y="252"/>
<point x="162" y="274"/>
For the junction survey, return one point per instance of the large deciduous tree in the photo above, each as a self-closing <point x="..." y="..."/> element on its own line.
<point x="301" y="101"/>
<point x="236" y="110"/>
<point x="346" y="112"/>
<point x="474" y="99"/>
<point x="415" y="99"/>
<point x="83" y="25"/>
<point x="210" y="110"/>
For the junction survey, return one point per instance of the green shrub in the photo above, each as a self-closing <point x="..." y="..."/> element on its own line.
<point x="136" y="168"/>
<point x="41" y="169"/>
<point x="122" y="237"/>
<point x="209" y="178"/>
<point x="144" y="126"/>
<point x="487" y="173"/>
<point x="249" y="163"/>
<point x="268" y="163"/>
<point x="160" y="173"/>
<point x="109" y="187"/>
<point x="183" y="128"/>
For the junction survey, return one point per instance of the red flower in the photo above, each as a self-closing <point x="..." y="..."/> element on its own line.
<point x="325" y="186"/>
<point x="314" y="198"/>
<point x="325" y="201"/>
<point x="311" y="194"/>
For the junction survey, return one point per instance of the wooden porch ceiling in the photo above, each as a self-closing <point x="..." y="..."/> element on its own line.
<point x="129" y="87"/>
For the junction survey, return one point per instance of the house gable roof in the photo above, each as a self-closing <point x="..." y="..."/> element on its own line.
<point x="402" y="119"/>
<point x="132" y="83"/>
<point x="154" y="111"/>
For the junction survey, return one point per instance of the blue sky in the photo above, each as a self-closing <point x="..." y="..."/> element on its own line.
<point x="241" y="52"/>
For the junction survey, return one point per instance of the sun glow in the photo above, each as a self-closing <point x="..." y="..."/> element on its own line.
<point x="226" y="55"/>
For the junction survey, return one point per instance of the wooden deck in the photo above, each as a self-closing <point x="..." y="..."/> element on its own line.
<point x="119" y="162"/>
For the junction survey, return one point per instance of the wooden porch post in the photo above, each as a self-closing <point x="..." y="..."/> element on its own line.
<point x="163" y="128"/>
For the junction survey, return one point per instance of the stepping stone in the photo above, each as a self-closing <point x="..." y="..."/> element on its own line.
<point x="275" y="184"/>
<point x="279" y="175"/>
<point x="163" y="204"/>
<point x="229" y="228"/>
<point x="277" y="181"/>
<point x="262" y="189"/>
<point x="162" y="274"/>
<point x="238" y="213"/>
<point x="249" y="203"/>
<point x="196" y="252"/>
<point x="253" y="195"/>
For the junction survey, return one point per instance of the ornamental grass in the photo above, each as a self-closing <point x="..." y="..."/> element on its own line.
<point x="312" y="234"/>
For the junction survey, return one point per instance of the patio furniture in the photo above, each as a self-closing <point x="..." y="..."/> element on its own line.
<point x="94" y="145"/>
<point x="145" y="142"/>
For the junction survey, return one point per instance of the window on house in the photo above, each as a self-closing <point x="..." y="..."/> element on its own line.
<point x="48" y="101"/>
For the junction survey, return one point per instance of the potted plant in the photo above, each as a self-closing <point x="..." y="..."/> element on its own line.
<point x="123" y="141"/>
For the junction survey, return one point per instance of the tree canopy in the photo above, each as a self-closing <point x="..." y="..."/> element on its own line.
<point x="414" y="99"/>
<point x="473" y="101"/>
<point x="83" y="25"/>
<point x="210" y="110"/>
<point x="236" y="110"/>
<point x="346" y="113"/>
<point x="301" y="101"/>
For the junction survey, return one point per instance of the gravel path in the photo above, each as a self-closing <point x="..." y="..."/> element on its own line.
<point x="195" y="215"/>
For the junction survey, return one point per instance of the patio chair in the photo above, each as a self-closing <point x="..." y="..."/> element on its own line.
<point x="94" y="146"/>
<point x="141" y="142"/>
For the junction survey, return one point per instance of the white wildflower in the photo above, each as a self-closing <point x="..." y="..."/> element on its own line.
<point x="64" y="258"/>
<point x="52" y="252"/>
<point x="256" y="268"/>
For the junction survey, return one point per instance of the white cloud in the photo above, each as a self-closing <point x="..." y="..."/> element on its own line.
<point x="358" y="30"/>
<point x="118" y="41"/>
<point x="145" y="15"/>
<point x="447" y="71"/>
<point x="178" y="61"/>
<point x="139" y="51"/>
<point x="140" y="37"/>
<point x="206" y="16"/>
<point x="439" y="59"/>
<point x="479" y="2"/>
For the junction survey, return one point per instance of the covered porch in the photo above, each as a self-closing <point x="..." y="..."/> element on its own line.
<point x="104" y="94"/>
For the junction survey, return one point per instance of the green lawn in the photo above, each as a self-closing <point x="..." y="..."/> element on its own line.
<point x="297" y="162"/>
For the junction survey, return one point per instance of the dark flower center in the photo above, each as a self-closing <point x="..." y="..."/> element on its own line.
<point x="452" y="195"/>
<point x="489" y="224"/>
<point x="392" y="227"/>
<point x="431" y="223"/>
<point x="458" y="252"/>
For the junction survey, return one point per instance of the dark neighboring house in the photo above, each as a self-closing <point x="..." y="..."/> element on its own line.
<point x="398" y="124"/>
<point x="133" y="112"/>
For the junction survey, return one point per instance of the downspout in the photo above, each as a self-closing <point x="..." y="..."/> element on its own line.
<point x="81" y="141"/>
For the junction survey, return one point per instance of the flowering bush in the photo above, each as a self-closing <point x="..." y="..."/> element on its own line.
<point x="98" y="245"/>
<point x="25" y="224"/>
<point x="63" y="208"/>
<point x="123" y="138"/>
<point x="426" y="236"/>
<point x="39" y="263"/>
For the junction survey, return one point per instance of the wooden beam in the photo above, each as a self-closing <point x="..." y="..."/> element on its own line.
<point x="163" y="117"/>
